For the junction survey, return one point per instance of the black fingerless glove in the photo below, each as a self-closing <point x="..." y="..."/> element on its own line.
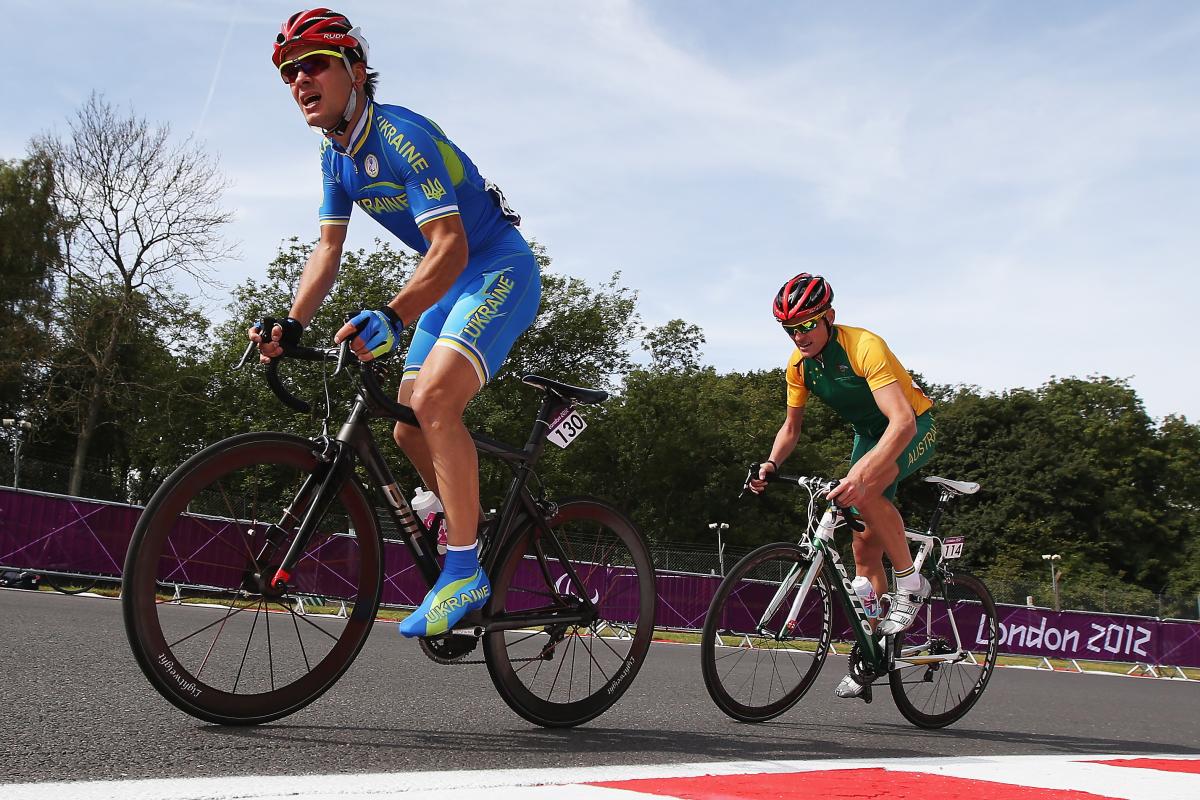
<point x="292" y="329"/>
<point x="394" y="318"/>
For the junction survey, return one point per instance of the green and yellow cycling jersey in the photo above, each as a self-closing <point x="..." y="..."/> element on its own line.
<point x="853" y="364"/>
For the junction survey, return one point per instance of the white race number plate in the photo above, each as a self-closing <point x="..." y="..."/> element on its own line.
<point x="952" y="547"/>
<point x="566" y="427"/>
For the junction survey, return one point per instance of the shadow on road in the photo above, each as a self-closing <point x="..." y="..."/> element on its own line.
<point x="780" y="740"/>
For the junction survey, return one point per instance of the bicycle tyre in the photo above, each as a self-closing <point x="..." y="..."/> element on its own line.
<point x="919" y="690"/>
<point x="190" y="536"/>
<point x="735" y="612"/>
<point x="65" y="584"/>
<point x="605" y="549"/>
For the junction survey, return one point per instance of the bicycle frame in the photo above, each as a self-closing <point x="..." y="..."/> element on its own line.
<point x="927" y="542"/>
<point x="827" y="561"/>
<point x="354" y="441"/>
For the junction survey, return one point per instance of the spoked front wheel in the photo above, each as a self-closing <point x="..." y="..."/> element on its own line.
<point x="207" y="628"/>
<point x="591" y="565"/>
<point x="757" y="660"/>
<point x="943" y="662"/>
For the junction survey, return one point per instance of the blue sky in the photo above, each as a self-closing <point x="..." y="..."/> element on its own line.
<point x="1005" y="191"/>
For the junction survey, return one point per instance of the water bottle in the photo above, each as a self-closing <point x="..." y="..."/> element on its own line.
<point x="428" y="508"/>
<point x="866" y="593"/>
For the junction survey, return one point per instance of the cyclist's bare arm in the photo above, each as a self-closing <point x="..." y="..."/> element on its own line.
<point x="319" y="273"/>
<point x="785" y="443"/>
<point x="876" y="470"/>
<point x="438" y="270"/>
<point x="315" y="282"/>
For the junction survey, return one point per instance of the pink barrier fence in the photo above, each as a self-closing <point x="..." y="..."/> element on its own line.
<point x="66" y="534"/>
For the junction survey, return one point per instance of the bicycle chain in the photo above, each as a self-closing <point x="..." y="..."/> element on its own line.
<point x="456" y="662"/>
<point x="427" y="648"/>
<point x="462" y="662"/>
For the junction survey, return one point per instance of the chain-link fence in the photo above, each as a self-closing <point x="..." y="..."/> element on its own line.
<point x="693" y="558"/>
<point x="55" y="477"/>
<point x="1105" y="599"/>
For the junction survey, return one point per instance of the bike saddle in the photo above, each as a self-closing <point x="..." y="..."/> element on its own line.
<point x="958" y="487"/>
<point x="566" y="390"/>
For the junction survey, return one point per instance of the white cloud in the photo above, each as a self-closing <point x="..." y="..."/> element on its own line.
<point x="935" y="167"/>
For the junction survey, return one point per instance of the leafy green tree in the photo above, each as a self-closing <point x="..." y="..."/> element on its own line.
<point x="1181" y="500"/>
<point x="675" y="346"/>
<point x="154" y="398"/>
<point x="1075" y="467"/>
<point x="241" y="400"/>
<point x="29" y="254"/>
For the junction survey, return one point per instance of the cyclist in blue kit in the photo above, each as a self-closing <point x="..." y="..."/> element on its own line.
<point x="475" y="290"/>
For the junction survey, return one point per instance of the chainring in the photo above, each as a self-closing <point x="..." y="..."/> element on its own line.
<point x="449" y="649"/>
<point x="858" y="669"/>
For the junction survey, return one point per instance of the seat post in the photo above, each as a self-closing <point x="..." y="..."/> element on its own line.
<point x="936" y="519"/>
<point x="537" y="434"/>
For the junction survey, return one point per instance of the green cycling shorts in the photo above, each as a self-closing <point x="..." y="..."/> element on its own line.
<point x="912" y="458"/>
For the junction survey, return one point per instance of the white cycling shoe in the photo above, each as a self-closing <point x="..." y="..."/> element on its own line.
<point x="902" y="611"/>
<point x="849" y="688"/>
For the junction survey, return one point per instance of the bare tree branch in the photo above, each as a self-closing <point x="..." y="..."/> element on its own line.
<point x="140" y="211"/>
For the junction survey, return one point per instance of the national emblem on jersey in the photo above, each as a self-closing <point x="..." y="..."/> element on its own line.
<point x="372" y="166"/>
<point x="433" y="189"/>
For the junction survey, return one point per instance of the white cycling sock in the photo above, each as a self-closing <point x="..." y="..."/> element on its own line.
<point x="910" y="582"/>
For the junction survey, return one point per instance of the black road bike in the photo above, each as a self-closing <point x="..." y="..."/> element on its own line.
<point x="255" y="572"/>
<point x="770" y="623"/>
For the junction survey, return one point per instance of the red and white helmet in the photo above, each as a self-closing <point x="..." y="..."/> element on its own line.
<point x="803" y="297"/>
<point x="320" y="26"/>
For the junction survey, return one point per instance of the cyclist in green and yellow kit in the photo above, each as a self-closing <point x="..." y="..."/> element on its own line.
<point x="853" y="371"/>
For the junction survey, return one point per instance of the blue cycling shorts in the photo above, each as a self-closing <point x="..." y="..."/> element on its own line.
<point x="488" y="307"/>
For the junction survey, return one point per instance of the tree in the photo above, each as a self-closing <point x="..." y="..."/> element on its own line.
<point x="154" y="399"/>
<point x="675" y="346"/>
<point x="241" y="400"/>
<point x="1181" y="494"/>
<point x="141" y="213"/>
<point x="29" y="255"/>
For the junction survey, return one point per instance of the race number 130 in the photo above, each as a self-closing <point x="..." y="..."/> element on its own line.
<point x="566" y="427"/>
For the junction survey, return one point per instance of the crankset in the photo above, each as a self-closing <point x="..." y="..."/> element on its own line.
<point x="449" y="649"/>
<point x="863" y="675"/>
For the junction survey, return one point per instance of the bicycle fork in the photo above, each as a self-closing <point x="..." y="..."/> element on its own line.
<point x="824" y="559"/>
<point x="313" y="500"/>
<point x="785" y="588"/>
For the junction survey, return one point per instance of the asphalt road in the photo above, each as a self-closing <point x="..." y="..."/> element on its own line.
<point x="76" y="707"/>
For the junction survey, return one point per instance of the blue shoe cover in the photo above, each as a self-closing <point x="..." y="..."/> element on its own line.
<point x="445" y="606"/>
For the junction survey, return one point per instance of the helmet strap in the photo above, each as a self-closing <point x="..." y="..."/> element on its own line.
<point x="829" y="334"/>
<point x="351" y="103"/>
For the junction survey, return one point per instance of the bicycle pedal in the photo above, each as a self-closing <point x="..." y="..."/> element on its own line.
<point x="470" y="625"/>
<point x="866" y="695"/>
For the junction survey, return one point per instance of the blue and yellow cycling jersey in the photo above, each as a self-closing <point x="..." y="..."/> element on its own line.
<point x="402" y="170"/>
